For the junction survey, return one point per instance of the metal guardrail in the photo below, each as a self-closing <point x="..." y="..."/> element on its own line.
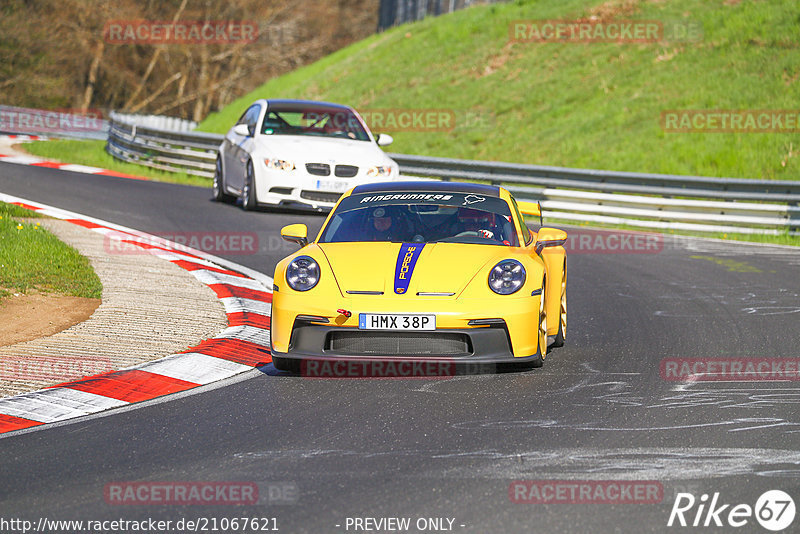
<point x="66" y="123"/>
<point x="659" y="201"/>
<point x="638" y="199"/>
<point x="168" y="150"/>
<point x="173" y="124"/>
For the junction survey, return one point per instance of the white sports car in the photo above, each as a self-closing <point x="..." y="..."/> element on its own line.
<point x="299" y="153"/>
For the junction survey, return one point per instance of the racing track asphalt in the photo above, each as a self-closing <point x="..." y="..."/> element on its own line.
<point x="598" y="409"/>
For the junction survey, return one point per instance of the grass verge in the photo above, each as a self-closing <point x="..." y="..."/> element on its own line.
<point x="33" y="258"/>
<point x="93" y="153"/>
<point x="576" y="104"/>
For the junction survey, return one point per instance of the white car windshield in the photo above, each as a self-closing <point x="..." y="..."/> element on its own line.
<point x="318" y="122"/>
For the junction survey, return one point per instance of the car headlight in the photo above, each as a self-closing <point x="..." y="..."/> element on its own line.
<point x="302" y="273"/>
<point x="507" y="277"/>
<point x="279" y="164"/>
<point x="380" y="171"/>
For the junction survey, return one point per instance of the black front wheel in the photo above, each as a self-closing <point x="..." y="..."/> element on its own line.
<point x="218" y="187"/>
<point x="561" y="336"/>
<point x="541" y="332"/>
<point x="248" y="191"/>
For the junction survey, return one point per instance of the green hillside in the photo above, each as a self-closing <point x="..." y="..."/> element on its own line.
<point x="593" y="105"/>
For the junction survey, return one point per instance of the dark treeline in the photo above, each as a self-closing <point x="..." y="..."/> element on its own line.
<point x="59" y="54"/>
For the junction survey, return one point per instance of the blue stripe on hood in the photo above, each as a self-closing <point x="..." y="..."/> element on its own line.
<point x="406" y="261"/>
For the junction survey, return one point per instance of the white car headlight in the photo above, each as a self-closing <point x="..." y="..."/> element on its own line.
<point x="507" y="277"/>
<point x="302" y="273"/>
<point x="380" y="171"/>
<point x="279" y="164"/>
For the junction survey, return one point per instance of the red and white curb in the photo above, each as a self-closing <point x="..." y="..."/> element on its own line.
<point x="24" y="137"/>
<point x="246" y="295"/>
<point x="35" y="161"/>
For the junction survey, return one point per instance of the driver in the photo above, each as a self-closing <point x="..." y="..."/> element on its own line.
<point x="381" y="225"/>
<point x="477" y="221"/>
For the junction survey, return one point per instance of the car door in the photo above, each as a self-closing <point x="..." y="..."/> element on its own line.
<point x="238" y="148"/>
<point x="247" y="146"/>
<point x="230" y="147"/>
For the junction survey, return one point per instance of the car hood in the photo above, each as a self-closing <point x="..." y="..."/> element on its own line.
<point x="302" y="149"/>
<point x="440" y="267"/>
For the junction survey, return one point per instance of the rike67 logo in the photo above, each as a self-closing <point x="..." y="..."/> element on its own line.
<point x="774" y="510"/>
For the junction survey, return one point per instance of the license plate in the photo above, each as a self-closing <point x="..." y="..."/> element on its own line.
<point x="332" y="185"/>
<point x="376" y="321"/>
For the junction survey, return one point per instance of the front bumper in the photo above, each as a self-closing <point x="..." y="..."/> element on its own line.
<point x="302" y="326"/>
<point x="488" y="344"/>
<point x="298" y="188"/>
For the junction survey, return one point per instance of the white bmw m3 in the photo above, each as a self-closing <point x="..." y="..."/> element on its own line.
<point x="299" y="153"/>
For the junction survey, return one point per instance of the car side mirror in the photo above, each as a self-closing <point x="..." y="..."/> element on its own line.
<point x="384" y="139"/>
<point x="242" y="129"/>
<point x="295" y="233"/>
<point x="549" y="237"/>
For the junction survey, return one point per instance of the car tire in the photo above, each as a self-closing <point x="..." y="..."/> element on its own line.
<point x="561" y="336"/>
<point x="290" y="365"/>
<point x="249" y="200"/>
<point x="218" y="187"/>
<point x="541" y="333"/>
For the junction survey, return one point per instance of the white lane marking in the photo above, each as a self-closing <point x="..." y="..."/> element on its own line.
<point x="80" y="168"/>
<point x="57" y="404"/>
<point x="259" y="336"/>
<point x="105" y="231"/>
<point x="52" y="213"/>
<point x="22" y="137"/>
<point x="239" y="305"/>
<point x="25" y="160"/>
<point x="210" y="277"/>
<point x="194" y="367"/>
<point x="80" y="400"/>
<point x="169" y="256"/>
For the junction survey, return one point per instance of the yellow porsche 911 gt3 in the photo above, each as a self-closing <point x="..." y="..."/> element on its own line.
<point x="421" y="270"/>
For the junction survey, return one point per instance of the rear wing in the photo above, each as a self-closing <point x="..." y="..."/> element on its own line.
<point x="531" y="208"/>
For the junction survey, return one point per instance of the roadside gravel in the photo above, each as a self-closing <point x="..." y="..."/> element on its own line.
<point x="150" y="308"/>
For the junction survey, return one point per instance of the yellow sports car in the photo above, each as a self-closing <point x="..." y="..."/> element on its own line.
<point x="421" y="270"/>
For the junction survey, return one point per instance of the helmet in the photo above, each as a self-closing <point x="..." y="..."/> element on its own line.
<point x="380" y="219"/>
<point x="378" y="213"/>
<point x="473" y="217"/>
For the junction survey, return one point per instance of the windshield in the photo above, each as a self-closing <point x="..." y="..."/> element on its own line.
<point x="311" y="121"/>
<point x="487" y="222"/>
